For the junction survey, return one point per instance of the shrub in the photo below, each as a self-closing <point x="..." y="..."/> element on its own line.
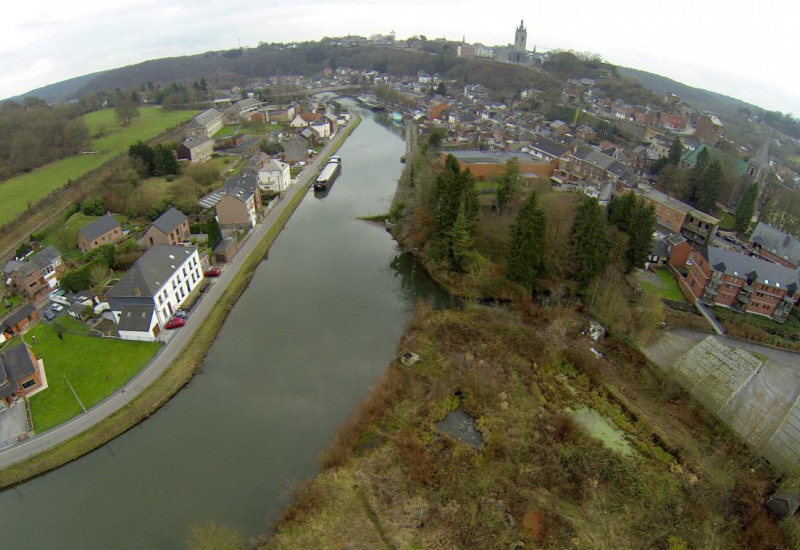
<point x="93" y="206"/>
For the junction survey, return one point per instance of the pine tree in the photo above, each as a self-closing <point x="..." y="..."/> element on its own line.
<point x="507" y="184"/>
<point x="620" y="210"/>
<point x="708" y="190"/>
<point x="698" y="173"/>
<point x="527" y="244"/>
<point x="214" y="232"/>
<point x="675" y="152"/>
<point x="589" y="240"/>
<point x="746" y="209"/>
<point x="454" y="188"/>
<point x="462" y="240"/>
<point x="640" y="235"/>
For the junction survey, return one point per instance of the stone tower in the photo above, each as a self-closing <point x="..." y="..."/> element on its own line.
<point x="521" y="37"/>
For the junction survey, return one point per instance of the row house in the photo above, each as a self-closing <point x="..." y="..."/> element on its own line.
<point x="153" y="289"/>
<point x="207" y="123"/>
<point x="678" y="217"/>
<point x="771" y="244"/>
<point x="37" y="276"/>
<point x="589" y="164"/>
<point x="743" y="283"/>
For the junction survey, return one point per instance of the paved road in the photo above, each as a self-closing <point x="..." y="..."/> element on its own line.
<point x="177" y="342"/>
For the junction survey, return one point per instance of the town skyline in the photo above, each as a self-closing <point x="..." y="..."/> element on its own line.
<point x="56" y="42"/>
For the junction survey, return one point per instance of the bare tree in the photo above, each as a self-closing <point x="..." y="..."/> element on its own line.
<point x="126" y="111"/>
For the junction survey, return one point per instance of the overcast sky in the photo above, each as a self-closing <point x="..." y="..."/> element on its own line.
<point x="743" y="49"/>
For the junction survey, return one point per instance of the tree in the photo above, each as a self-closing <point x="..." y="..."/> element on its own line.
<point x="708" y="188"/>
<point x="589" y="241"/>
<point x="527" y="244"/>
<point x="99" y="274"/>
<point x="164" y="161"/>
<point x="640" y="235"/>
<point x="507" y="184"/>
<point x="142" y="158"/>
<point x="214" y="232"/>
<point x="435" y="140"/>
<point x="93" y="206"/>
<point x="462" y="239"/>
<point x="452" y="187"/>
<point x="675" y="152"/>
<point x="620" y="210"/>
<point x="441" y="89"/>
<point x="126" y="110"/>
<point x="746" y="209"/>
<point x="697" y="173"/>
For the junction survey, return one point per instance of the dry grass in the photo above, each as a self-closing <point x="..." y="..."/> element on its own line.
<point x="539" y="479"/>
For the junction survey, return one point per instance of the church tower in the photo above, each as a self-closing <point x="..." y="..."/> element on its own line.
<point x="521" y="37"/>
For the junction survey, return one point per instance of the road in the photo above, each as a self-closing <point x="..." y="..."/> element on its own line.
<point x="781" y="356"/>
<point x="177" y="342"/>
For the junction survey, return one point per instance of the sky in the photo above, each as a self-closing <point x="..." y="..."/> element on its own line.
<point x="741" y="49"/>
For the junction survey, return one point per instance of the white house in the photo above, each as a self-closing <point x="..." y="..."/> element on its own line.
<point x="153" y="289"/>
<point x="206" y="123"/>
<point x="274" y="176"/>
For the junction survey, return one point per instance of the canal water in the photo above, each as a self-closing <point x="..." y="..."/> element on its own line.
<point x="317" y="325"/>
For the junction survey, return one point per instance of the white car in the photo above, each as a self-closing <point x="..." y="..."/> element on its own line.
<point x="56" y="307"/>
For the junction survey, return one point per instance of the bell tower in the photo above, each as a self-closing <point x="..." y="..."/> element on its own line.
<point x="521" y="37"/>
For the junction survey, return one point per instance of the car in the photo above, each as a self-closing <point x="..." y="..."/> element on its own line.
<point x="49" y="315"/>
<point x="180" y="314"/>
<point x="213" y="272"/>
<point x="175" y="322"/>
<point x="56" y="307"/>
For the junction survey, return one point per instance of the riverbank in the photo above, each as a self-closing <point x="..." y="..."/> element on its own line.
<point x="179" y="372"/>
<point x="574" y="452"/>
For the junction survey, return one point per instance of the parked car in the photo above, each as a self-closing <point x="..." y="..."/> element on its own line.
<point x="175" y="322"/>
<point x="181" y="314"/>
<point x="56" y="307"/>
<point x="213" y="272"/>
<point x="49" y="315"/>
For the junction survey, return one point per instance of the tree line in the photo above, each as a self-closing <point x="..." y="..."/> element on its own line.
<point x="33" y="134"/>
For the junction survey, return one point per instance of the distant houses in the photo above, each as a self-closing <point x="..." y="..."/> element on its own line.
<point x="153" y="289"/>
<point x="105" y="230"/>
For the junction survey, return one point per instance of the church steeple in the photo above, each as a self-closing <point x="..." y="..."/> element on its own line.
<point x="520" y="37"/>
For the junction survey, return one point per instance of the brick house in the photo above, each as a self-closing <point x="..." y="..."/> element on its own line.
<point x="485" y="164"/>
<point x="709" y="128"/>
<point x="196" y="149"/>
<point x="670" y="212"/>
<point x="21" y="373"/>
<point x="237" y="207"/>
<point x="37" y="276"/>
<point x="105" y="230"/>
<point x="743" y="283"/>
<point x="171" y="227"/>
<point x="17" y="322"/>
<point x="771" y="244"/>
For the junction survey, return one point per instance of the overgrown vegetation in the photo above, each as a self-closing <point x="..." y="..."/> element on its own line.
<point x="392" y="479"/>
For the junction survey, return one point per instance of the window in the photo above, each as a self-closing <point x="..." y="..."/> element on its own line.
<point x="28" y="383"/>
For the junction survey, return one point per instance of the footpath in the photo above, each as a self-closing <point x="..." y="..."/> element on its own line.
<point x="179" y="341"/>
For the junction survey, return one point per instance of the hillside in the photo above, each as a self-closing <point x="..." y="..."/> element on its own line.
<point x="698" y="97"/>
<point x="60" y="91"/>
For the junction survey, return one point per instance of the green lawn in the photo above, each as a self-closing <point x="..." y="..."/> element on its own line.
<point x="95" y="367"/>
<point x="667" y="289"/>
<point x="727" y="222"/>
<point x="17" y="193"/>
<point x="226" y="131"/>
<point x="484" y="185"/>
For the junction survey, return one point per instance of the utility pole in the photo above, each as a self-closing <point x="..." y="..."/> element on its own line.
<point x="73" y="393"/>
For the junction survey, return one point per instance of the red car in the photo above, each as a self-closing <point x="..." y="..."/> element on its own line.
<point x="213" y="272"/>
<point x="175" y="322"/>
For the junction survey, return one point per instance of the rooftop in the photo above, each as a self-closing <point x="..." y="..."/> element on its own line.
<point x="146" y="277"/>
<point x="99" y="227"/>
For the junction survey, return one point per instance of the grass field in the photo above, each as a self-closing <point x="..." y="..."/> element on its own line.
<point x="18" y="193"/>
<point x="226" y="131"/>
<point x="95" y="367"/>
<point x="727" y="222"/>
<point x="667" y="287"/>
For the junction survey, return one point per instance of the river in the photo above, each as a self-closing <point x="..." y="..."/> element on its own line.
<point x="317" y="325"/>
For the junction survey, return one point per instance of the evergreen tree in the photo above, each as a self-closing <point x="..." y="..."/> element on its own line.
<point x="527" y="244"/>
<point x="675" y="152"/>
<point x="589" y="240"/>
<point x="453" y="187"/>
<point x="214" y="233"/>
<point x="507" y="184"/>
<point x="462" y="240"/>
<point x="164" y="161"/>
<point x="746" y="209"/>
<point x="708" y="190"/>
<point x="142" y="156"/>
<point x="620" y="210"/>
<point x="640" y="235"/>
<point x="698" y="172"/>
